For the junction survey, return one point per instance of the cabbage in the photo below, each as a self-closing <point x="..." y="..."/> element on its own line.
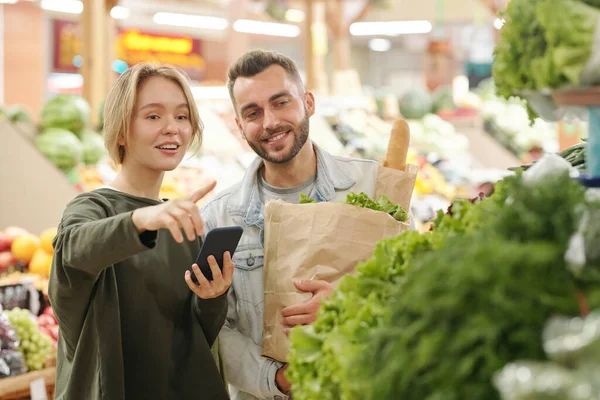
<point x="66" y="111"/>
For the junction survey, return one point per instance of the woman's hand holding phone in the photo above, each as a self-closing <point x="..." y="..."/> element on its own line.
<point x="174" y="215"/>
<point x="221" y="280"/>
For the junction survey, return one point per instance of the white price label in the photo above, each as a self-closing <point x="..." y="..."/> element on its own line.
<point x="37" y="389"/>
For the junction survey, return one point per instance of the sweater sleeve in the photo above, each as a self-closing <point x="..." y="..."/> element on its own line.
<point x="89" y="240"/>
<point x="211" y="314"/>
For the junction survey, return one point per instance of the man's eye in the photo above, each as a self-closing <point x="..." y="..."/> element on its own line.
<point x="252" y="115"/>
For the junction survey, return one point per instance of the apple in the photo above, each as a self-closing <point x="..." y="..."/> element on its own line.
<point x="54" y="332"/>
<point x="48" y="311"/>
<point x="5" y="242"/>
<point x="46" y="320"/>
<point x="6" y="260"/>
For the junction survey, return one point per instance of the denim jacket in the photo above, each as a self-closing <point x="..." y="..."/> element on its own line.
<point x="250" y="375"/>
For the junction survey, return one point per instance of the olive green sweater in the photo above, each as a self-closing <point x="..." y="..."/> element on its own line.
<point x="130" y="328"/>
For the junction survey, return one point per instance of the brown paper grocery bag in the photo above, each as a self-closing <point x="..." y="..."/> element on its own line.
<point x="322" y="241"/>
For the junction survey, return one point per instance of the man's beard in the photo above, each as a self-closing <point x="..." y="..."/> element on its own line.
<point x="300" y="138"/>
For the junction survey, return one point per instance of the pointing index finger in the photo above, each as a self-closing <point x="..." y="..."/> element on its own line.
<point x="203" y="191"/>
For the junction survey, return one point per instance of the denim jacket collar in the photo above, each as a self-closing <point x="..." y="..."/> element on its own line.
<point x="330" y="177"/>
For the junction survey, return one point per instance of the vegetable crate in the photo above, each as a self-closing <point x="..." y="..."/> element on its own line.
<point x="18" y="387"/>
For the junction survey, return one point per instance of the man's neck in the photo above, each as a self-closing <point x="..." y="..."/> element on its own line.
<point x="295" y="172"/>
<point x="139" y="182"/>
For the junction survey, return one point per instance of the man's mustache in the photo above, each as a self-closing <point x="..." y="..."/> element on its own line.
<point x="276" y="131"/>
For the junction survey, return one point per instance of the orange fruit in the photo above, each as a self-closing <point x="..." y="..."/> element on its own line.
<point x="23" y="247"/>
<point x="40" y="263"/>
<point x="46" y="239"/>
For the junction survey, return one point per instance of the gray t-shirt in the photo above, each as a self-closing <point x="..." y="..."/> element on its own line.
<point x="290" y="195"/>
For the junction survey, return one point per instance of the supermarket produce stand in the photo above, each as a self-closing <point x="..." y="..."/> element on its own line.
<point x="488" y="151"/>
<point x="589" y="98"/>
<point x="19" y="387"/>
<point x="34" y="192"/>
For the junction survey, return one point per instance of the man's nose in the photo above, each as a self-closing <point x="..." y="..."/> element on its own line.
<point x="270" y="120"/>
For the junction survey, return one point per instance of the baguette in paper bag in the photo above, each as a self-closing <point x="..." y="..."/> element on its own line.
<point x="325" y="241"/>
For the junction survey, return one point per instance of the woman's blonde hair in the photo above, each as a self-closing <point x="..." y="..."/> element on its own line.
<point x="119" y="106"/>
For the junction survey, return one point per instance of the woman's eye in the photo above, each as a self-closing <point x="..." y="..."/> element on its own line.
<point x="152" y="117"/>
<point x="182" y="117"/>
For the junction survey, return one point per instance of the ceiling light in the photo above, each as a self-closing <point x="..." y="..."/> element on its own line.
<point x="380" y="44"/>
<point x="8" y="1"/>
<point x="293" y="15"/>
<point x="390" y="28"/>
<point x="118" y="12"/>
<point x="266" y="28"/>
<point x="65" y="6"/>
<point x="192" y="21"/>
<point x="499" y="23"/>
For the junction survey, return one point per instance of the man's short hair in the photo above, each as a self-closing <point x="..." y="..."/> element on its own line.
<point x="256" y="61"/>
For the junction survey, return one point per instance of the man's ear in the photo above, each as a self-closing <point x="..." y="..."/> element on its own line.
<point x="310" y="103"/>
<point x="239" y="126"/>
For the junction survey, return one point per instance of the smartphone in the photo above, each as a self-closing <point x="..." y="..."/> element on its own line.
<point x="217" y="242"/>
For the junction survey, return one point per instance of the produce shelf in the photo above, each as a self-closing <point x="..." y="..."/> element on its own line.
<point x="34" y="192"/>
<point x="18" y="387"/>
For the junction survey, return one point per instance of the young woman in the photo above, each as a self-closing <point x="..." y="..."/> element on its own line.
<point x="133" y="325"/>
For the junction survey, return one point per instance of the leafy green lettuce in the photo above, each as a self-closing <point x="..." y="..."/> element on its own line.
<point x="544" y="44"/>
<point x="322" y="353"/>
<point x="364" y="201"/>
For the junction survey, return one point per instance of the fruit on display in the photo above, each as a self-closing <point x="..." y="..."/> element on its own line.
<point x="15" y="113"/>
<point x="22" y="250"/>
<point x="66" y="111"/>
<point x="415" y="104"/>
<point x="40" y="263"/>
<point x="24" y="247"/>
<point x="61" y="147"/>
<point x="46" y="238"/>
<point x="443" y="100"/>
<point x="93" y="150"/>
<point x="36" y="346"/>
<point x="89" y="177"/>
<point x="47" y="324"/>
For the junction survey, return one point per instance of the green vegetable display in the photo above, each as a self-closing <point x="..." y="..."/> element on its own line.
<point x="364" y="201"/>
<point x="435" y="316"/>
<point x="481" y="300"/>
<point x="575" y="155"/>
<point x="321" y="356"/>
<point x="572" y="374"/>
<point x="546" y="44"/>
